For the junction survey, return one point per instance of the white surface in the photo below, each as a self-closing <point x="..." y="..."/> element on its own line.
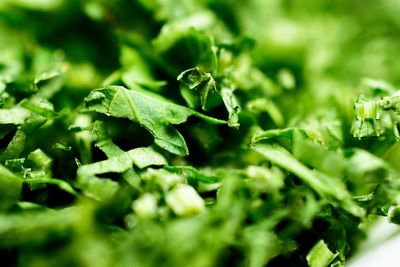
<point x="381" y="249"/>
<point x="386" y="255"/>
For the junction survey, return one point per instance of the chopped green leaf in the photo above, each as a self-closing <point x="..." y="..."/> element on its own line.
<point x="204" y="133"/>
<point x="155" y="114"/>
<point x="10" y="186"/>
<point x="320" y="255"/>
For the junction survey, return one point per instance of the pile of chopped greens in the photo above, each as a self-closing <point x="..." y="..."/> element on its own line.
<point x="196" y="133"/>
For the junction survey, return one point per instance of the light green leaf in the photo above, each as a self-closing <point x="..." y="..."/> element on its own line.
<point x="142" y="157"/>
<point x="36" y="227"/>
<point x="103" y="188"/>
<point x="198" y="88"/>
<point x="320" y="255"/>
<point x="192" y="174"/>
<point x="232" y="106"/>
<point x="40" y="160"/>
<point x="16" y="115"/>
<point x="17" y="144"/>
<point x="10" y="188"/>
<point x="63" y="185"/>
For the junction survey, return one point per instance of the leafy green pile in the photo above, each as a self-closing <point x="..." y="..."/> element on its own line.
<point x="196" y="133"/>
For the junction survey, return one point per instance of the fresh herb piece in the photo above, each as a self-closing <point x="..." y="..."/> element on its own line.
<point x="320" y="255"/>
<point x="11" y="188"/>
<point x="153" y="113"/>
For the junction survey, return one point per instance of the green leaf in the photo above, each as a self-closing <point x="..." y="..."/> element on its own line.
<point x="259" y="105"/>
<point x="198" y="88"/>
<point x="142" y="157"/>
<point x="103" y="188"/>
<point x="232" y="106"/>
<point x="285" y="134"/>
<point x="17" y="144"/>
<point x="100" y="189"/>
<point x="154" y="114"/>
<point x="41" y="5"/>
<point x="40" y="160"/>
<point x="109" y="148"/>
<point x="192" y="174"/>
<point x="320" y="255"/>
<point x="186" y="35"/>
<point x="394" y="216"/>
<point x="63" y="185"/>
<point x="328" y="187"/>
<point x="16" y="115"/>
<point x="370" y="116"/>
<point x="10" y="188"/>
<point x="40" y="106"/>
<point x="39" y="227"/>
<point x="135" y="72"/>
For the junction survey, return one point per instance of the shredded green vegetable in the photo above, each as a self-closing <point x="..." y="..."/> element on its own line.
<point x="196" y="133"/>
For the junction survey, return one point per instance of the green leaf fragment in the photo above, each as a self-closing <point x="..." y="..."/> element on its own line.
<point x="199" y="89"/>
<point x="142" y="157"/>
<point x="320" y="255"/>
<point x="263" y="246"/>
<point x="63" y="185"/>
<point x="17" y="144"/>
<point x="10" y="188"/>
<point x="164" y="179"/>
<point x="40" y="160"/>
<point x="192" y="174"/>
<point x="41" y="227"/>
<point x="103" y="188"/>
<point x="180" y="35"/>
<point x="232" y="106"/>
<point x="109" y="148"/>
<point x="40" y="106"/>
<point x="259" y="105"/>
<point x="328" y="187"/>
<point x="394" y="216"/>
<point x="62" y="147"/>
<point x="154" y="114"/>
<point x="135" y="73"/>
<point x="16" y="115"/>
<point x="369" y="116"/>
